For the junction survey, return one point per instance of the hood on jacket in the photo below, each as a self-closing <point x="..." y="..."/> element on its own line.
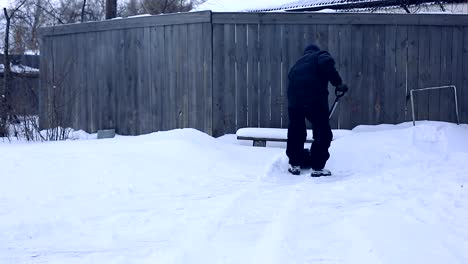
<point x="311" y="48"/>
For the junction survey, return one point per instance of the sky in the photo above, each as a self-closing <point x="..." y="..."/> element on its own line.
<point x="3" y="3"/>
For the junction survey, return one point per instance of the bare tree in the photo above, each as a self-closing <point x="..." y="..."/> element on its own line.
<point x="22" y="21"/>
<point x="83" y="8"/>
<point x="132" y="8"/>
<point x="5" y="93"/>
<point x="408" y="6"/>
<point x="154" y="7"/>
<point x="27" y="21"/>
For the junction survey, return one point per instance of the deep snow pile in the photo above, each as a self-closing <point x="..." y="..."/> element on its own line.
<point x="398" y="195"/>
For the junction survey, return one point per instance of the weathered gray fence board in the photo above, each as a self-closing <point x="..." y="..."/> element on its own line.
<point x="446" y="75"/>
<point x="285" y="66"/>
<point x="355" y="81"/>
<point x="270" y="80"/>
<point x="457" y="69"/>
<point x="101" y="93"/>
<point x="122" y="84"/>
<point x="294" y="46"/>
<point x="388" y="83"/>
<point x="218" y="82"/>
<point x="99" y="89"/>
<point x="322" y="36"/>
<point x="131" y="75"/>
<point x="169" y="104"/>
<point x="46" y="77"/>
<point x="203" y="78"/>
<point x="464" y="86"/>
<point x="229" y="86"/>
<point x="379" y="75"/>
<point x="334" y="39"/>
<point x="182" y="76"/>
<point x="123" y="121"/>
<point x="264" y="77"/>
<point x="157" y="65"/>
<point x="463" y="76"/>
<point x="368" y="91"/>
<point x="145" y="88"/>
<point x="241" y="75"/>
<point x="401" y="72"/>
<point x="412" y="60"/>
<point x="93" y="97"/>
<point x="82" y="60"/>
<point x="111" y="46"/>
<point x="422" y="98"/>
<point x="434" y="75"/>
<point x="46" y="46"/>
<point x="194" y="76"/>
<point x="252" y="74"/>
<point x="61" y="89"/>
<point x="275" y="76"/>
<point x="346" y="50"/>
<point x="173" y="102"/>
<point x="207" y="96"/>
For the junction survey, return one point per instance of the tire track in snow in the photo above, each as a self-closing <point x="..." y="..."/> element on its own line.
<point x="251" y="220"/>
<point x="271" y="243"/>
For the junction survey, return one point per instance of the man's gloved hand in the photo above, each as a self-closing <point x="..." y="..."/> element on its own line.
<point x="342" y="88"/>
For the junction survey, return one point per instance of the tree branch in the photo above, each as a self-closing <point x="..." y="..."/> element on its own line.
<point x="50" y="13"/>
<point x="83" y="11"/>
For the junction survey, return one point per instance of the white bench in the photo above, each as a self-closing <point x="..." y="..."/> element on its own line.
<point x="260" y="136"/>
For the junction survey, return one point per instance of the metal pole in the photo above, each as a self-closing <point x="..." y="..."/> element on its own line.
<point x="434" y="88"/>
<point x="456" y="104"/>
<point x="412" y="107"/>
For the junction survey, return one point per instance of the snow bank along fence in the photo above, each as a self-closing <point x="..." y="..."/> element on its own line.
<point x="218" y="72"/>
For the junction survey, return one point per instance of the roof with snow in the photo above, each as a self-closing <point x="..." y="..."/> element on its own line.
<point x="239" y="5"/>
<point x="316" y="5"/>
<point x="20" y="69"/>
<point x="309" y="5"/>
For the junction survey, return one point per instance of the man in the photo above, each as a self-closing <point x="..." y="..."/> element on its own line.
<point x="308" y="99"/>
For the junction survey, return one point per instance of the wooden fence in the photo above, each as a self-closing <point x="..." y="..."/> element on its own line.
<point x="218" y="72"/>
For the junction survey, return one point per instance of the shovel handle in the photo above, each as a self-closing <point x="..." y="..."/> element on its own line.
<point x="339" y="94"/>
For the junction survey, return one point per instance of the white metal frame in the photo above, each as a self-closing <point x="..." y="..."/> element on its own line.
<point x="434" y="88"/>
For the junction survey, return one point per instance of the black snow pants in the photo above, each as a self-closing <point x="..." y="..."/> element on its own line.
<point x="317" y="114"/>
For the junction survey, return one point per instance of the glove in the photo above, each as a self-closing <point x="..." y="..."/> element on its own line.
<point x="342" y="88"/>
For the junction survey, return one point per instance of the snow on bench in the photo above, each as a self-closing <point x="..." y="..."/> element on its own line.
<point x="260" y="136"/>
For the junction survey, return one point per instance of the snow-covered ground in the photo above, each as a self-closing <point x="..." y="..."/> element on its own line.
<point x="399" y="194"/>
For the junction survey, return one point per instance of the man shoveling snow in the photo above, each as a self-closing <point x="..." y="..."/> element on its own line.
<point x="308" y="99"/>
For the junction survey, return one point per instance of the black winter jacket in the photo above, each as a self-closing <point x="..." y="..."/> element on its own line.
<point x="309" y="77"/>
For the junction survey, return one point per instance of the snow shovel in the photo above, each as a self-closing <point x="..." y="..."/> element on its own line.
<point x="338" y="95"/>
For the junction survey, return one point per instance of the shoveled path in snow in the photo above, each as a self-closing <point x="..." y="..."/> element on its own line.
<point x="399" y="205"/>
<point x="348" y="218"/>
